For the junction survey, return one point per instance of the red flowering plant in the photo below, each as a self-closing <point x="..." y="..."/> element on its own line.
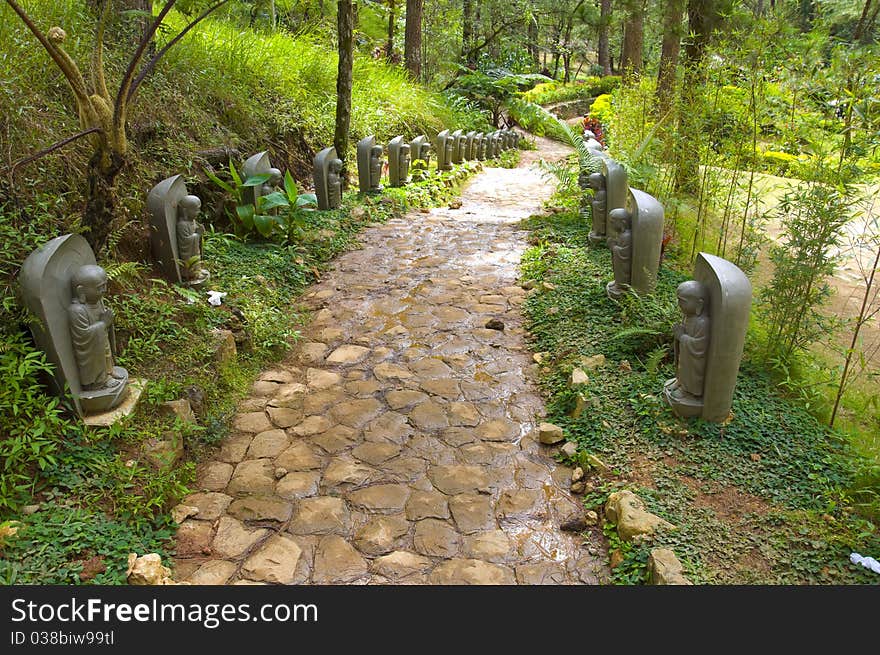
<point x="595" y="127"/>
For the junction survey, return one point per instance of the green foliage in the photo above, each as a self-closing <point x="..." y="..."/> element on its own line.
<point x="492" y="90"/>
<point x="535" y="119"/>
<point x="787" y="487"/>
<point x="553" y="92"/>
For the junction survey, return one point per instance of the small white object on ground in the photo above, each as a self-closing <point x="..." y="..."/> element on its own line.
<point x="216" y="297"/>
<point x="867" y="562"/>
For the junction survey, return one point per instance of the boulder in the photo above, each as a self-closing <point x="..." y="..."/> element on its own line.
<point x="665" y="569"/>
<point x="628" y="511"/>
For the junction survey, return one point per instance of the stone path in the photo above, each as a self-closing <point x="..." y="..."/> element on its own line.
<point x="395" y="447"/>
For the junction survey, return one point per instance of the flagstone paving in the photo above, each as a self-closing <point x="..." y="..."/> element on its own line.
<point x="398" y="444"/>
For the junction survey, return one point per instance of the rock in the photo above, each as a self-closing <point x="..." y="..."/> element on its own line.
<point x="275" y="562"/>
<point x="429" y="416"/>
<point x="591" y="518"/>
<point x="500" y="429"/>
<point x="593" y="362"/>
<point x="252" y="422"/>
<point x="577" y="474"/>
<point x="455" y="204"/>
<point x="573" y="524"/>
<point x="357" y="413"/>
<point x="233" y="448"/>
<point x="299" y="457"/>
<point x="464" y="414"/>
<point x="578" y="377"/>
<point x="405" y="399"/>
<point x="222" y="346"/>
<point x="529" y="284"/>
<point x="284" y="417"/>
<point x="492" y="546"/>
<point x="180" y="513"/>
<point x="27" y="510"/>
<point x="379" y="535"/>
<point x="521" y="503"/>
<point x="625" y="366"/>
<point x="598" y="464"/>
<point x="196" y="397"/>
<point x="180" y="409"/>
<point x="436" y="539"/>
<point x="252" y="476"/>
<point x="401" y="565"/>
<point x="210" y="506"/>
<point x="386" y="371"/>
<point x="312" y="425"/>
<point x="214" y="476"/>
<point x="163" y="453"/>
<point x="376" y="453"/>
<point x="268" y="444"/>
<point x="321" y="515"/>
<point x="297" y="484"/>
<point x="348" y="354"/>
<point x="665" y="569"/>
<point x="578" y="488"/>
<point x="381" y="498"/>
<point x="628" y="511"/>
<point x="426" y="504"/>
<point x="147" y="570"/>
<point x="471" y="572"/>
<point x="261" y="508"/>
<point x="312" y="352"/>
<point x="213" y="572"/>
<point x="278" y="376"/>
<point x="580" y="404"/>
<point x="494" y="324"/>
<point x="540" y="573"/>
<point x="341" y="471"/>
<point x="320" y="379"/>
<point x="336" y="562"/>
<point x="233" y="539"/>
<point x="550" y="434"/>
<point x="472" y="512"/>
<point x="280" y="473"/>
<point x="547" y="286"/>
<point x="615" y="557"/>
<point x="569" y="449"/>
<point x="458" y="479"/>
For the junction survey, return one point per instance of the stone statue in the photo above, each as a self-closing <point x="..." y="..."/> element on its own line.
<point x="444" y="163"/>
<point x="420" y="149"/>
<point x="175" y="234"/>
<point x="458" y="141"/>
<point x="259" y="164"/>
<point x="370" y="163"/>
<point x="691" y="342"/>
<point x="616" y="188"/>
<point x="189" y="241"/>
<point x="398" y="162"/>
<point x="327" y="169"/>
<point x="599" y="205"/>
<point x="635" y="236"/>
<point x="63" y="289"/>
<point x="621" y="252"/>
<point x="708" y="342"/>
<point x="480" y="146"/>
<point x="469" y="151"/>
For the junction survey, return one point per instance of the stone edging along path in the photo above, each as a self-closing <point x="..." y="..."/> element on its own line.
<point x="395" y="445"/>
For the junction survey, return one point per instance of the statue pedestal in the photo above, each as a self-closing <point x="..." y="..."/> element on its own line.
<point x="683" y="405"/>
<point x="598" y="239"/>
<point x="615" y="291"/>
<point x="199" y="282"/>
<point x="135" y="388"/>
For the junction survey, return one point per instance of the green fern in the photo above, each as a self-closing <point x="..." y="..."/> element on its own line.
<point x="125" y="273"/>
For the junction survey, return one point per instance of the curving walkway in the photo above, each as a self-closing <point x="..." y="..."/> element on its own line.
<point x="395" y="446"/>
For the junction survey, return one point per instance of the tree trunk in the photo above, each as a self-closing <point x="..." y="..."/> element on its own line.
<point x="532" y="32"/>
<point x="467" y="32"/>
<point x="104" y="167"/>
<point x="633" y="37"/>
<point x="345" y="31"/>
<point x="389" y="46"/>
<point x="669" y="52"/>
<point x="604" y="26"/>
<point x="412" y="39"/>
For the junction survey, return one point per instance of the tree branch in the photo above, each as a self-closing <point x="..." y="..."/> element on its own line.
<point x="52" y="148"/>
<point x="118" y="113"/>
<point x="150" y="65"/>
<point x="99" y="82"/>
<point x="61" y="58"/>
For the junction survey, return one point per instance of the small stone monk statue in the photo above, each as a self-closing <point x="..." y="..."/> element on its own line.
<point x="691" y="342"/>
<point x="334" y="183"/>
<point x="621" y="251"/>
<point x="450" y="143"/>
<point x="376" y="163"/>
<point x="91" y="330"/>
<point x="599" y="204"/>
<point x="189" y="240"/>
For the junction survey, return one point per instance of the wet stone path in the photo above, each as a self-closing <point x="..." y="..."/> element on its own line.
<point x="395" y="445"/>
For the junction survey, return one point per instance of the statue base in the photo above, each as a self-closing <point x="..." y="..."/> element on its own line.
<point x="615" y="291"/>
<point x="198" y="282"/>
<point x="103" y="419"/>
<point x="683" y="404"/>
<point x="93" y="401"/>
<point x="598" y="239"/>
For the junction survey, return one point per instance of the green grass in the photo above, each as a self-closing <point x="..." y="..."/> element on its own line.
<point x="765" y="499"/>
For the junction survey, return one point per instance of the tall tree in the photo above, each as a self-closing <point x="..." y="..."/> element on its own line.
<point x="102" y="115"/>
<point x="532" y="45"/>
<point x="669" y="51"/>
<point x="412" y="44"/>
<point x="389" y="46"/>
<point x="345" y="36"/>
<point x="604" y="26"/>
<point x="633" y="37"/>
<point x="468" y="54"/>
